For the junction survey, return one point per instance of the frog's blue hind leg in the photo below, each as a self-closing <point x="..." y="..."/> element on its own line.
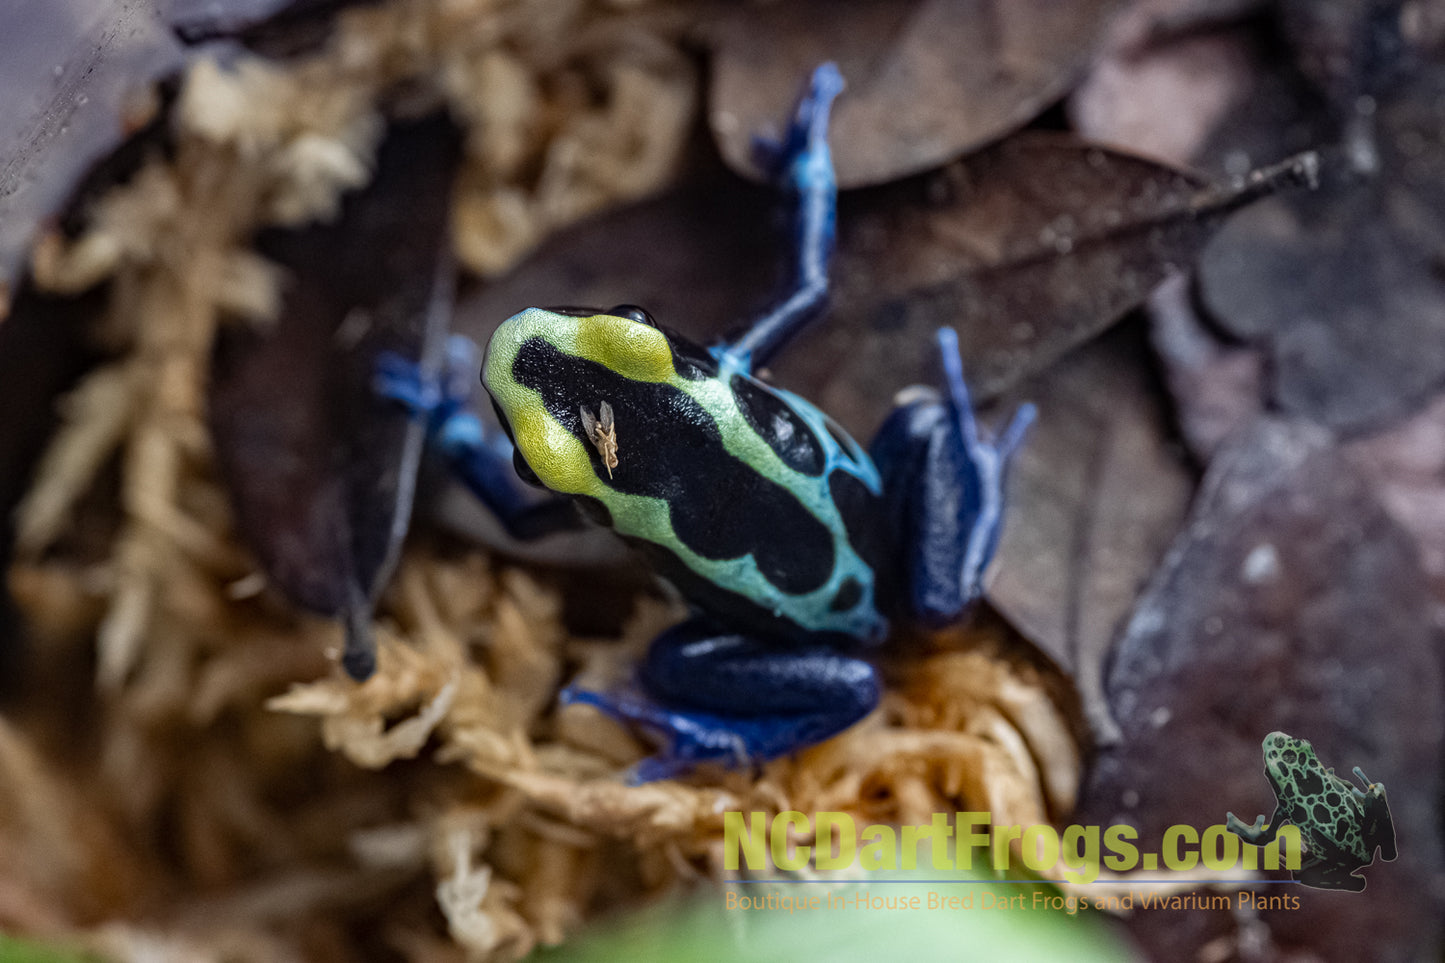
<point x="482" y="459"/>
<point x="944" y="483"/>
<point x="802" y="163"/>
<point x="721" y="697"/>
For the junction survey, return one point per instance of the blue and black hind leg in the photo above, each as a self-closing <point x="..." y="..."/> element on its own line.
<point x="800" y="163"/>
<point x="943" y="482"/>
<point x="714" y="696"/>
<point x="479" y="454"/>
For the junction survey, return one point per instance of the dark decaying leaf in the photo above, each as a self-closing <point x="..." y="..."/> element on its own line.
<point x="1217" y="388"/>
<point x="1347" y="48"/>
<point x="1352" y="313"/>
<point x="1175" y="70"/>
<point x="1027" y="249"/>
<point x="1095" y="497"/>
<point x="699" y="258"/>
<point x="1291" y="602"/>
<point x="1343" y="286"/>
<point x="928" y="80"/>
<point x="1146" y="22"/>
<point x="321" y="471"/>
<point x="73" y="84"/>
<point x="1278" y="114"/>
<point x="1204" y="82"/>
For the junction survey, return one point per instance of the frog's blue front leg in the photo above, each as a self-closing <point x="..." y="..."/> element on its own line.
<point x="481" y="459"/>
<point x="945" y="486"/>
<point x="802" y="163"/>
<point x="718" y="696"/>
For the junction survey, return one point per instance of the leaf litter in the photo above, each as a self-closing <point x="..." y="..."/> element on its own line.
<point x="331" y="817"/>
<point x="232" y="822"/>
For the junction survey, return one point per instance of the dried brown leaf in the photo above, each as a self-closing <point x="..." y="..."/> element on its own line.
<point x="928" y="80"/>
<point x="1027" y="249"/>
<point x="1095" y="498"/>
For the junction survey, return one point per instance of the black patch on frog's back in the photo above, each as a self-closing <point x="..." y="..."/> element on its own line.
<point x="849" y="594"/>
<point x="594" y="510"/>
<point x="1309" y="781"/>
<point x="670" y="448"/>
<point x="689" y="359"/>
<point x="778" y="424"/>
<point x="862" y="514"/>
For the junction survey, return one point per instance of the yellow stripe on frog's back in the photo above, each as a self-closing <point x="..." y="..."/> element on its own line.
<point x="636" y="351"/>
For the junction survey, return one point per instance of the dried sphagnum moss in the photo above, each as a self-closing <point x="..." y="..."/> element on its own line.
<point x="188" y="811"/>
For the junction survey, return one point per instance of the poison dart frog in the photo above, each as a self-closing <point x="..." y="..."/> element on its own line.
<point x="1340" y="825"/>
<point x="795" y="547"/>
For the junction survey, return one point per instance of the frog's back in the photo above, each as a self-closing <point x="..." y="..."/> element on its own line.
<point x="1324" y="807"/>
<point x="760" y="509"/>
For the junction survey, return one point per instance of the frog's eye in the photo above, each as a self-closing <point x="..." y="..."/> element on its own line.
<point x="633" y="313"/>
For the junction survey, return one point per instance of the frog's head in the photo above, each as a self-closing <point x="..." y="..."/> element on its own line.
<point x="544" y="368"/>
<point x="1289" y="763"/>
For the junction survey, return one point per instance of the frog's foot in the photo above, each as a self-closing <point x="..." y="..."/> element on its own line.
<point x="726" y="699"/>
<point x="400" y="379"/>
<point x="946" y="483"/>
<point x="1327" y="875"/>
<point x="788" y="158"/>
<point x="479" y="455"/>
<point x="439" y="396"/>
<point x="1250" y="834"/>
<point x="802" y="163"/>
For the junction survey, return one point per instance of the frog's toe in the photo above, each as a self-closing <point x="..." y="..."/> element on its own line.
<point x="432" y="394"/>
<point x="1236" y="825"/>
<point x="399" y="379"/>
<point x="656" y="769"/>
<point x="690" y="738"/>
<point x="807" y="129"/>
